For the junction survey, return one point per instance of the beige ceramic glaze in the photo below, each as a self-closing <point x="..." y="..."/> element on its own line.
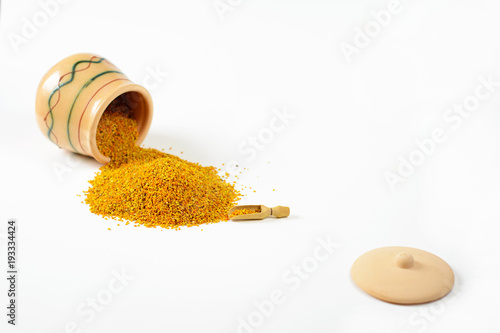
<point x="73" y="95"/>
<point x="403" y="275"/>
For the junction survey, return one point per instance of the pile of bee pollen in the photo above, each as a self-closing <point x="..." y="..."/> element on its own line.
<point x="150" y="187"/>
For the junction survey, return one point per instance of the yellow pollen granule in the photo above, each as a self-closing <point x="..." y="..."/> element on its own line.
<point x="244" y="211"/>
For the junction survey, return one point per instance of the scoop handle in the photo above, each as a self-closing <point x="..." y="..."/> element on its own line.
<point x="280" y="211"/>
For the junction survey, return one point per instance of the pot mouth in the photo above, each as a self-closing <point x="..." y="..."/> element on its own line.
<point x="141" y="109"/>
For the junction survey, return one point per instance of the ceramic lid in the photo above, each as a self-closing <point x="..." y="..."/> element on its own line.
<point x="403" y="275"/>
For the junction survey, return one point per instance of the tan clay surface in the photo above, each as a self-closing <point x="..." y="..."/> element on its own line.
<point x="403" y="275"/>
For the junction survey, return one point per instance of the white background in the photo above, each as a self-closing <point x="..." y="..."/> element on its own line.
<point x="227" y="72"/>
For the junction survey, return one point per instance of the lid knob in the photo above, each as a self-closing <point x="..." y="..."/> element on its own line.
<point x="404" y="260"/>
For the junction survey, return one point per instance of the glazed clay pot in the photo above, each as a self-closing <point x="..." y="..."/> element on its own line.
<point x="73" y="95"/>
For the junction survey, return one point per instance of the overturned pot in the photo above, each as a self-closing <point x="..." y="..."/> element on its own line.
<point x="74" y="94"/>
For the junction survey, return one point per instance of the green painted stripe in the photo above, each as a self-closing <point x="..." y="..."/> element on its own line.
<point x="73" y="72"/>
<point x="77" y="95"/>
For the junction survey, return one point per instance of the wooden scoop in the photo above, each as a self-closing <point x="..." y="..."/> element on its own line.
<point x="278" y="211"/>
